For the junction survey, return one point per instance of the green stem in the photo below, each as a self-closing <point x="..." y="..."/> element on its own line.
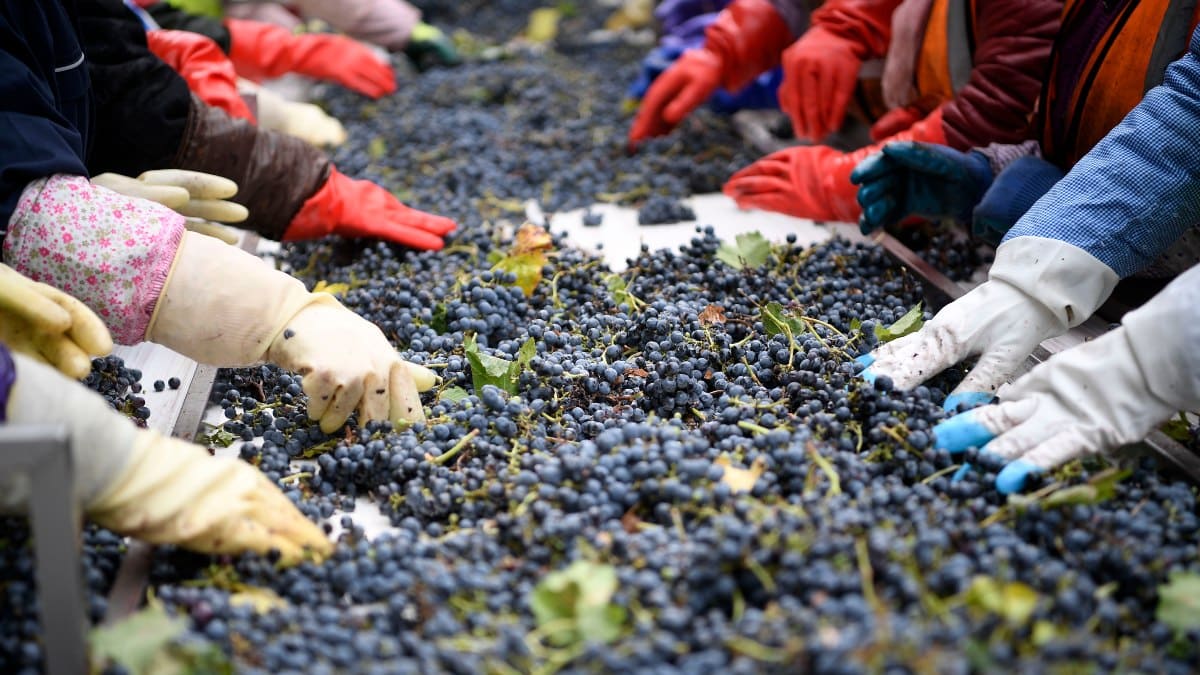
<point x="458" y="447"/>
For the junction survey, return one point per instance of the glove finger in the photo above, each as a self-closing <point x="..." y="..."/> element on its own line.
<point x="810" y="109"/>
<point x="198" y="185"/>
<point x="981" y="428"/>
<point x="345" y="400"/>
<point x="320" y="387"/>
<point x="376" y="400"/>
<point x="688" y="99"/>
<point x="439" y="225"/>
<point x="841" y="89"/>
<point x="877" y="215"/>
<point x="19" y="338"/>
<point x="755" y="185"/>
<point x="406" y="402"/>
<point x="422" y="377"/>
<point x="170" y="196"/>
<point x="876" y="190"/>
<point x="65" y="355"/>
<point x="874" y="167"/>
<point x="993" y="368"/>
<point x="87" y="330"/>
<point x="286" y="522"/>
<point x="1052" y="452"/>
<point x="33" y="307"/>
<point x="214" y="230"/>
<point x="215" y="210"/>
<point x="913" y="155"/>
<point x="649" y="121"/>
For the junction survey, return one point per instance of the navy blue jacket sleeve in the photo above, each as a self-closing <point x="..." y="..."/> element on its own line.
<point x="1138" y="190"/>
<point x="44" y="99"/>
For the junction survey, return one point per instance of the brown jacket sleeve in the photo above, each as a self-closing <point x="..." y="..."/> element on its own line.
<point x="1012" y="53"/>
<point x="275" y="173"/>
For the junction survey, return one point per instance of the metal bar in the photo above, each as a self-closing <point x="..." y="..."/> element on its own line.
<point x="44" y="454"/>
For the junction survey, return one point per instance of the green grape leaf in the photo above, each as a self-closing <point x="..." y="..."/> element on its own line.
<point x="907" y="324"/>
<point x="776" y="320"/>
<point x="454" y="395"/>
<point x="749" y="251"/>
<point x="1179" y="601"/>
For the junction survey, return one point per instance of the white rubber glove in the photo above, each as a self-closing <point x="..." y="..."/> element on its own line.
<point x="225" y="307"/>
<point x="1095" y="397"/>
<point x="163" y="490"/>
<point x="303" y="120"/>
<point x="189" y="193"/>
<point x="44" y="323"/>
<point x="1036" y="289"/>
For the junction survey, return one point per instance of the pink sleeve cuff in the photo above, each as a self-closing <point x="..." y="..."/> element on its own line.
<point x="110" y="251"/>
<point x="387" y="23"/>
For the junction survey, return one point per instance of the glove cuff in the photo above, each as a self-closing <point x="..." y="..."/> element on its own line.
<point x="276" y="173"/>
<point x="222" y="306"/>
<point x="1067" y="280"/>
<point x="1163" y="335"/>
<point x="749" y="36"/>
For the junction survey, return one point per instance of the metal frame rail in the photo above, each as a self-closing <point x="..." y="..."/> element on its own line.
<point x="42" y="454"/>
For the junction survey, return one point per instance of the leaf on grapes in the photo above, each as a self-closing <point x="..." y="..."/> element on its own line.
<point x="775" y="320"/>
<point x="713" y="314"/>
<point x="454" y="395"/>
<point x="377" y="148"/>
<point x="1099" y="488"/>
<point x="1044" y="632"/>
<point x="1013" y="600"/>
<point x="217" y="438"/>
<point x="524" y="357"/>
<point x="741" y="480"/>
<point x="487" y="369"/>
<point x="338" y="289"/>
<point x="543" y="24"/>
<point x="262" y="600"/>
<point x="441" y="318"/>
<point x="575" y="604"/>
<point x="909" y="323"/>
<point x="527" y="257"/>
<point x="140" y="643"/>
<point x="750" y="250"/>
<point x="1179" y="601"/>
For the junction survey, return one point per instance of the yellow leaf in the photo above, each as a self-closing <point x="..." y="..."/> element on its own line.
<point x="332" y="289"/>
<point x="527" y="256"/>
<point x="531" y="238"/>
<point x="741" y="480"/>
<point x="543" y="24"/>
<point x="712" y="314"/>
<point x="262" y="600"/>
<point x="631" y="14"/>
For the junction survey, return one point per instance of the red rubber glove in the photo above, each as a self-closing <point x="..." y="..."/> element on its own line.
<point x="820" y="74"/>
<point x="360" y="208"/>
<point x="814" y="181"/>
<point x="895" y="121"/>
<point x="261" y="50"/>
<point x="746" y="39"/>
<point x="200" y="61"/>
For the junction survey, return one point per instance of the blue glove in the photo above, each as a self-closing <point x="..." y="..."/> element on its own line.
<point x="1012" y="193"/>
<point x="759" y="94"/>
<point x="653" y="65"/>
<point x="923" y="179"/>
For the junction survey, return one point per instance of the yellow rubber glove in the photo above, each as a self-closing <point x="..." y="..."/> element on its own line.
<point x="49" y="325"/>
<point x="303" y="120"/>
<point x="190" y="193"/>
<point x="163" y="490"/>
<point x="225" y="307"/>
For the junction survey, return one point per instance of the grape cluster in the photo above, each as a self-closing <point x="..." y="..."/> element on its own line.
<point x="120" y="386"/>
<point x="659" y="210"/>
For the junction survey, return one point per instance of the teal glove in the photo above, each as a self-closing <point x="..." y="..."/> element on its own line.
<point x="923" y="179"/>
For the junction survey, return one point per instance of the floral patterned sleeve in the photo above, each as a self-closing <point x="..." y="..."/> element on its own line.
<point x="110" y="251"/>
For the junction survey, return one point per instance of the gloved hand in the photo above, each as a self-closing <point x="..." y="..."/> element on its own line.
<point x="261" y="51"/>
<point x="359" y="208"/>
<point x="429" y="47"/>
<point x="1036" y="289"/>
<point x="46" y="324"/>
<point x="302" y="120"/>
<point x="141" y="484"/>
<point x="655" y="63"/>
<point x="814" y="181"/>
<point x="924" y="179"/>
<point x="746" y="39"/>
<point x="189" y="193"/>
<point x="200" y="61"/>
<point x="1095" y="397"/>
<point x="222" y="306"/>
<point x="820" y="73"/>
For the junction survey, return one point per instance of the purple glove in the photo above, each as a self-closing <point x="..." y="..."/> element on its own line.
<point x="690" y="33"/>
<point x="672" y="13"/>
